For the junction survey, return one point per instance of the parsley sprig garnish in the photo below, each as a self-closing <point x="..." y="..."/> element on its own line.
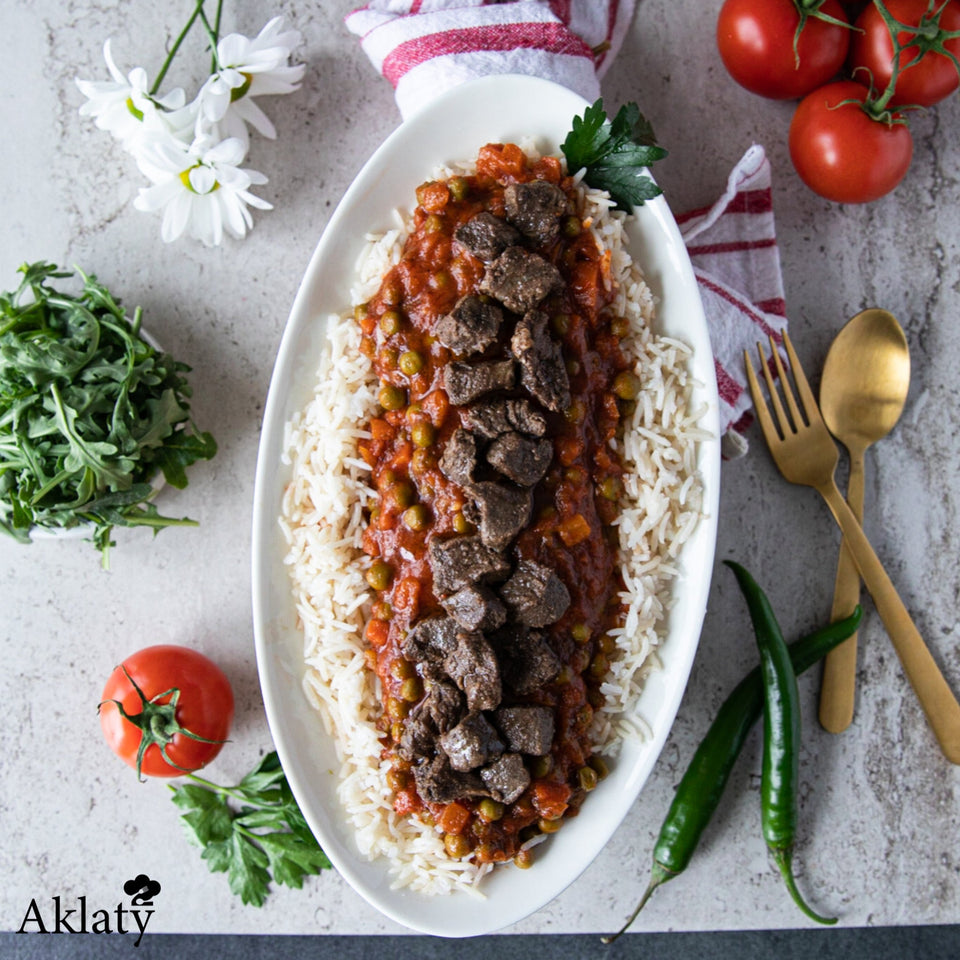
<point x="615" y="154"/>
<point x="261" y="836"/>
<point x="90" y="412"/>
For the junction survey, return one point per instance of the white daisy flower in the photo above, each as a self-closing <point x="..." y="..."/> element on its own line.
<point x="200" y="188"/>
<point x="123" y="105"/>
<point x="247" y="69"/>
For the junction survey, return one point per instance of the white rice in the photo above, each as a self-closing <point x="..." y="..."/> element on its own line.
<point x="322" y="519"/>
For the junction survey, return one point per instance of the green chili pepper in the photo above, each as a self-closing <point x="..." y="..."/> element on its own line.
<point x="781" y="737"/>
<point x="698" y="793"/>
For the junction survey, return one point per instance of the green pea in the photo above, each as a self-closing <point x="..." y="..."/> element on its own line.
<point x="403" y="494"/>
<point x="541" y="766"/>
<point x="580" y="632"/>
<point x="379" y="575"/>
<point x="422" y="460"/>
<point x="391" y="397"/>
<point x="599" y="765"/>
<point x="390" y="322"/>
<point x="411" y="690"/>
<point x="360" y="312"/>
<point x="461" y="524"/>
<point x="587" y="777"/>
<point x="490" y="810"/>
<point x="388" y="357"/>
<point x="611" y="488"/>
<point x="457" y="846"/>
<point x="411" y="362"/>
<point x="459" y="188"/>
<point x="433" y="224"/>
<point x="422" y="434"/>
<point x="414" y="410"/>
<point x="620" y="326"/>
<point x="571" y="226"/>
<point x="397" y="709"/>
<point x="560" y="323"/>
<point x="626" y="385"/>
<point x="416" y="517"/>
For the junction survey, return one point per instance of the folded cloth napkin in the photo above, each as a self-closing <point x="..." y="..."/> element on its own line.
<point x="424" y="47"/>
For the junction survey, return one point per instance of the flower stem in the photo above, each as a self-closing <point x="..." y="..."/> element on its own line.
<point x="197" y="10"/>
<point x="213" y="35"/>
<point x="216" y="33"/>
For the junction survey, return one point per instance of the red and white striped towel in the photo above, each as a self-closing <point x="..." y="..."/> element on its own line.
<point x="424" y="47"/>
<point x="733" y="247"/>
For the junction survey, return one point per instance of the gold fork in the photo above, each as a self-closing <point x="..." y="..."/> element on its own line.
<point x="806" y="454"/>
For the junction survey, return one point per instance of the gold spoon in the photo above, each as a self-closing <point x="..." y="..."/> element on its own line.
<point x="862" y="392"/>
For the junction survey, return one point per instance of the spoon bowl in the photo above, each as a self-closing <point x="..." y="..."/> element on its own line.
<point x="864" y="386"/>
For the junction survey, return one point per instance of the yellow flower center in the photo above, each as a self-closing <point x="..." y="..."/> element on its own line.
<point x="185" y="180"/>
<point x="131" y="106"/>
<point x="237" y="92"/>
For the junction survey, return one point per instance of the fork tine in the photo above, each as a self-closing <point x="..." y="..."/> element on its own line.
<point x="760" y="405"/>
<point x="786" y="427"/>
<point x="785" y="383"/>
<point x="803" y="388"/>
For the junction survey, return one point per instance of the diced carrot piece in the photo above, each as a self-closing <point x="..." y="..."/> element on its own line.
<point x="433" y="196"/>
<point x="406" y="596"/>
<point x="501" y="160"/>
<point x="454" y="818"/>
<point x="377" y="632"/>
<point x="550" y="799"/>
<point x="436" y="406"/>
<point x="407" y="802"/>
<point x="547" y="168"/>
<point x="568" y="449"/>
<point x="574" y="531"/>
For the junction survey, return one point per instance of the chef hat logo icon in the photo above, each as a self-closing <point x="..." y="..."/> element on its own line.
<point x="141" y="890"/>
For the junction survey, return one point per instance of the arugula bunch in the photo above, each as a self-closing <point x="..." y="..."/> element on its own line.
<point x="90" y="413"/>
<point x="266" y="838"/>
<point x="615" y="154"/>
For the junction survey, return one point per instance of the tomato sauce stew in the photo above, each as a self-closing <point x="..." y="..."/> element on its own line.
<point x="493" y="558"/>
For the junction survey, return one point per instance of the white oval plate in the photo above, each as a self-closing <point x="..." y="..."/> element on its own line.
<point x="454" y="127"/>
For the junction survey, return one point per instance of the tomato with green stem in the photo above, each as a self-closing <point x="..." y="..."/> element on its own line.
<point x="927" y="36"/>
<point x="782" y="49"/>
<point x="166" y="710"/>
<point x="847" y="146"/>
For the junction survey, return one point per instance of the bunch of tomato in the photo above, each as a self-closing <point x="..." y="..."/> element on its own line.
<point x="857" y="69"/>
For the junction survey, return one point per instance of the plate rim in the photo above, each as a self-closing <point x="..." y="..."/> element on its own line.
<point x="708" y="459"/>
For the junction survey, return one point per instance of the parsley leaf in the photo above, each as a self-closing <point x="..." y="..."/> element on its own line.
<point x="614" y="154"/>
<point x="90" y="413"/>
<point x="261" y="837"/>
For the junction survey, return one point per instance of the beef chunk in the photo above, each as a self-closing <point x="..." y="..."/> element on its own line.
<point x="506" y="778"/>
<point x="486" y="236"/>
<point x="459" y="457"/>
<point x="535" y="595"/>
<point x="439" y="711"/>
<point x="473" y="665"/>
<point x="465" y="382"/>
<point x="527" y="661"/>
<point x="438" y="782"/>
<point x="491" y="418"/>
<point x="502" y="511"/>
<point x="476" y="607"/>
<point x="542" y="370"/>
<point x="470" y="327"/>
<point x="520" y="279"/>
<point x="429" y="643"/>
<point x="471" y="743"/>
<point x="534" y="208"/>
<point x="521" y="459"/>
<point x="460" y="561"/>
<point x="526" y="729"/>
